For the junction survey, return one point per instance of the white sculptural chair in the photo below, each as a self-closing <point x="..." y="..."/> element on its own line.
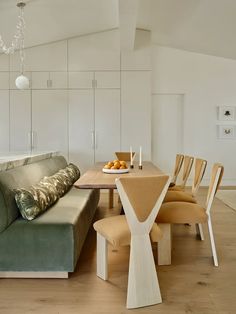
<point x="141" y="198"/>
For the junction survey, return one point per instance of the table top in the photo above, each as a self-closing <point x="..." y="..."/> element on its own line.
<point x="94" y="178"/>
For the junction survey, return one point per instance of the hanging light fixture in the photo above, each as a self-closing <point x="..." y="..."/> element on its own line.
<point x="18" y="43"/>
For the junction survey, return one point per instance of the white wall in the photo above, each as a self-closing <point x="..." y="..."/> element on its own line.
<point x="206" y="82"/>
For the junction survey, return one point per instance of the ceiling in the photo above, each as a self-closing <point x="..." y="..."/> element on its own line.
<point x="204" y="26"/>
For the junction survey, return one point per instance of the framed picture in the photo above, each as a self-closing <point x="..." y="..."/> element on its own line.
<point x="226" y="113"/>
<point x="226" y="131"/>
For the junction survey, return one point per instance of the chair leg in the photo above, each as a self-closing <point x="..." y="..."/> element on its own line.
<point x="102" y="253"/>
<point x="164" y="245"/>
<point x="213" y="247"/>
<point x="199" y="231"/>
<point x="143" y="286"/>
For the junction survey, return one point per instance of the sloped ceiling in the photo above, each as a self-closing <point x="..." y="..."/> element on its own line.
<point x="205" y="26"/>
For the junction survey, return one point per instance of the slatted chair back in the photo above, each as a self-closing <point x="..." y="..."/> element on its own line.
<point x="215" y="180"/>
<point x="187" y="167"/>
<point x="199" y="171"/>
<point x="178" y="164"/>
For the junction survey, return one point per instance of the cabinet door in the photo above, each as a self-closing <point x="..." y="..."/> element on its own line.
<point x="4" y="80"/>
<point x="80" y="79"/>
<point x="107" y="123"/>
<point x="58" y="79"/>
<point x="107" y="79"/>
<point x="4" y="120"/>
<point x="81" y="128"/>
<point x="136" y="111"/>
<point x="49" y="120"/>
<point x="40" y="80"/>
<point x="20" y="120"/>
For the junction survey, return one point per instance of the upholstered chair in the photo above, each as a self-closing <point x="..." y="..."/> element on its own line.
<point x="141" y="198"/>
<point x="192" y="213"/>
<point x="182" y="196"/>
<point x="124" y="155"/>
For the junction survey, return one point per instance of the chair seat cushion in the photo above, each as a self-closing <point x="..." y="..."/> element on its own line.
<point x="181" y="212"/>
<point x="178" y="196"/>
<point x="176" y="188"/>
<point x="116" y="230"/>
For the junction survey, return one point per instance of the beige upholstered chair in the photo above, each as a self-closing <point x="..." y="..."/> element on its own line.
<point x="187" y="167"/>
<point x="184" y="212"/>
<point x="178" y="164"/>
<point x="124" y="155"/>
<point x="141" y="199"/>
<point x="181" y="196"/>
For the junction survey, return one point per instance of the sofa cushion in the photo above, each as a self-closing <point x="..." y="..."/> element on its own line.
<point x="52" y="241"/>
<point x="23" y="177"/>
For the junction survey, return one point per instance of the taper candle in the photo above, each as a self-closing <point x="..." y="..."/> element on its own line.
<point x="131" y="157"/>
<point x="140" y="156"/>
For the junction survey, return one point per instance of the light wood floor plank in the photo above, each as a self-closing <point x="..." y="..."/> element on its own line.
<point x="190" y="285"/>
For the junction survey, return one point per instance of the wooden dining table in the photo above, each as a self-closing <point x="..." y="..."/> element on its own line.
<point x="95" y="178"/>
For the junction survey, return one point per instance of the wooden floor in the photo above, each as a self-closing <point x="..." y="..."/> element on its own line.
<point x="190" y="285"/>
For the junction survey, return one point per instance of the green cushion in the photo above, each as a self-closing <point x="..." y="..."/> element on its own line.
<point x="52" y="241"/>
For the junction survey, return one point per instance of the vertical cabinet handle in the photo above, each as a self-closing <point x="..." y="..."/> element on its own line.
<point x="33" y="142"/>
<point x="30" y="140"/>
<point x="93" y="139"/>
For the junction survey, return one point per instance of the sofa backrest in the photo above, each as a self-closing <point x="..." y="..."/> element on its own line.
<point x="23" y="177"/>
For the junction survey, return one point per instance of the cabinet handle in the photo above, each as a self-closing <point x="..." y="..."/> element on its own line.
<point x="33" y="140"/>
<point x="93" y="139"/>
<point x="29" y="140"/>
<point x="49" y="83"/>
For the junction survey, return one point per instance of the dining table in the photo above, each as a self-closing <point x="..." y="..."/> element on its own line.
<point x="95" y="178"/>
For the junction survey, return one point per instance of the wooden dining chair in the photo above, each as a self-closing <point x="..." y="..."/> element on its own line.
<point x="187" y="167"/>
<point x="124" y="155"/>
<point x="173" y="195"/>
<point x="184" y="212"/>
<point x="141" y="198"/>
<point x="178" y="164"/>
<point x="182" y="196"/>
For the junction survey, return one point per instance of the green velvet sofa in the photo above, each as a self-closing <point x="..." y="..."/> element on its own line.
<point x="50" y="245"/>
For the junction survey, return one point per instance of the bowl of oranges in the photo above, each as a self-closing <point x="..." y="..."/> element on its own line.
<point x="116" y="166"/>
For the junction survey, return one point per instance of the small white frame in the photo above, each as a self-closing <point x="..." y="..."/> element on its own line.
<point x="226" y="113"/>
<point x="226" y="132"/>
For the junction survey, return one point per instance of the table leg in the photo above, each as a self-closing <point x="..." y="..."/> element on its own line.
<point x="111" y="198"/>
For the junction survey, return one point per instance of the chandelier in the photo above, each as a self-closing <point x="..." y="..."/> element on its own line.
<point x="18" y="43"/>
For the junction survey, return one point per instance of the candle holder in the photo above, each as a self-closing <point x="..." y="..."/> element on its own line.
<point x="131" y="166"/>
<point x="140" y="167"/>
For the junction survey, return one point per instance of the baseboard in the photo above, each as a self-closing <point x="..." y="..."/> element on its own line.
<point x="33" y="274"/>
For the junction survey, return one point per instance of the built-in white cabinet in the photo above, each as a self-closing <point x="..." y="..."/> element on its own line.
<point x="94" y="119"/>
<point x="49" y="121"/>
<point x="4" y="80"/>
<point x="136" y="111"/>
<point x="49" y="80"/>
<point x="107" y="124"/>
<point x="81" y="128"/>
<point x="107" y="79"/>
<point x="4" y="120"/>
<point x="80" y="79"/>
<point x="20" y="120"/>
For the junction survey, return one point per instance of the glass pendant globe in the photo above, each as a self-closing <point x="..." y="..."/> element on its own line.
<point x="22" y="82"/>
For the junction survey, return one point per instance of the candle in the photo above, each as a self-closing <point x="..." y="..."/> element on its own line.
<point x="140" y="156"/>
<point x="131" y="156"/>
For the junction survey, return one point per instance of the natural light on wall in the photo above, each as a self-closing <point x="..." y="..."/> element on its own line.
<point x="22" y="82"/>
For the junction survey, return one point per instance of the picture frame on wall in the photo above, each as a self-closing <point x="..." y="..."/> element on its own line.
<point x="226" y="132"/>
<point x="226" y="113"/>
